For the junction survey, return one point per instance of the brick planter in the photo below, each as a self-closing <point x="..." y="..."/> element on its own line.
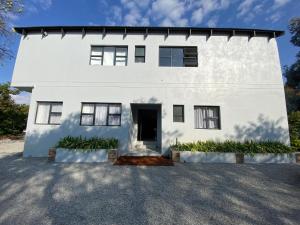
<point x="297" y="157"/>
<point x="51" y="154"/>
<point x="239" y="157"/>
<point x="175" y="156"/>
<point x="112" y="155"/>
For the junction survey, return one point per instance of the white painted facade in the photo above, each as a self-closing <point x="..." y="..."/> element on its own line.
<point x="241" y="76"/>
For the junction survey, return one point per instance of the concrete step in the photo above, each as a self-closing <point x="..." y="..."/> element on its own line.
<point x="146" y="145"/>
<point x="142" y="152"/>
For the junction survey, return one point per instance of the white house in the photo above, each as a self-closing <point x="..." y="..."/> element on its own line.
<point x="150" y="86"/>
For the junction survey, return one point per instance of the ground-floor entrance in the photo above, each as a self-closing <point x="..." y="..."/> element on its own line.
<point x="146" y="133"/>
<point x="147" y="125"/>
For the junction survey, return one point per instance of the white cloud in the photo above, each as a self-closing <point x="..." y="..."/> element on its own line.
<point x="280" y="3"/>
<point x="213" y="21"/>
<point x="205" y="7"/>
<point x="169" y="12"/>
<point x="274" y="17"/>
<point x="245" y="7"/>
<point x="22" y="98"/>
<point x="134" y="16"/>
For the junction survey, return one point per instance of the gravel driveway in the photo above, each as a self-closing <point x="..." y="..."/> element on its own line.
<point x="33" y="191"/>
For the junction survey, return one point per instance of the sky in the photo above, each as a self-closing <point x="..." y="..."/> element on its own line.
<point x="260" y="14"/>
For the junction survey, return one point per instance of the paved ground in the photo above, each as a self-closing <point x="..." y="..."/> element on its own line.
<point x="33" y="191"/>
<point x="8" y="146"/>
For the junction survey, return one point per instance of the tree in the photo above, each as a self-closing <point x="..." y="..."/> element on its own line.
<point x="13" y="117"/>
<point x="292" y="73"/>
<point x="8" y="9"/>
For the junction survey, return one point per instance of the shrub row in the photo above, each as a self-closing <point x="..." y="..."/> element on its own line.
<point x="91" y="144"/>
<point x="235" y="147"/>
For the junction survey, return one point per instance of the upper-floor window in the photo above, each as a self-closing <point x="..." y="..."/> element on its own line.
<point x="139" y="54"/>
<point x="101" y="114"/>
<point x="207" y="117"/>
<point x="109" y="55"/>
<point x="48" y="112"/>
<point x="178" y="56"/>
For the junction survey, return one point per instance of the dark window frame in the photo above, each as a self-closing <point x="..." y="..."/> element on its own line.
<point x="49" y="113"/>
<point x="182" y="116"/>
<point x="140" y="56"/>
<point x="206" y="117"/>
<point x="115" y="55"/>
<point x="108" y="104"/>
<point x="186" y="56"/>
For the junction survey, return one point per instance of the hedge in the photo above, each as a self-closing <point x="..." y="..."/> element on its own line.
<point x="235" y="147"/>
<point x="85" y="144"/>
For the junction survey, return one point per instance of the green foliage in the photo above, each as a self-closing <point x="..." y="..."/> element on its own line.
<point x="13" y="117"/>
<point x="294" y="125"/>
<point x="248" y="147"/>
<point x="294" y="27"/>
<point x="84" y="144"/>
<point x="8" y="9"/>
<point x="292" y="72"/>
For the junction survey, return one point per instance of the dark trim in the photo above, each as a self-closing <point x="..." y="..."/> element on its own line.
<point x="49" y="113"/>
<point x="108" y="104"/>
<point x="149" y="30"/>
<point x="137" y="56"/>
<point x="219" y="119"/>
<point x="183" y="114"/>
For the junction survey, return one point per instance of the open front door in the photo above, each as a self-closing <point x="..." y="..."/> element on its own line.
<point x="147" y="125"/>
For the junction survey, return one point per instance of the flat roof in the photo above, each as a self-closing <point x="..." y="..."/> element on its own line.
<point x="151" y="30"/>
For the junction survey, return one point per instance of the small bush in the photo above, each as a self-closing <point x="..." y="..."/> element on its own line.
<point x="294" y="125"/>
<point x="91" y="144"/>
<point x="247" y="147"/>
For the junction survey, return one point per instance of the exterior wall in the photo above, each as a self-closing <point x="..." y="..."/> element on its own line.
<point x="242" y="77"/>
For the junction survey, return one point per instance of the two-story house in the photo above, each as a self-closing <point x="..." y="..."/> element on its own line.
<point x="150" y="86"/>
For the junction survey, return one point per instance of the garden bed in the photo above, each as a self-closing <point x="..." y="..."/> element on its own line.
<point x="234" y="152"/>
<point x="78" y="149"/>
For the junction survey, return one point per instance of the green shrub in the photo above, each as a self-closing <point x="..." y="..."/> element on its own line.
<point x="91" y="144"/>
<point x="294" y="125"/>
<point x="246" y="147"/>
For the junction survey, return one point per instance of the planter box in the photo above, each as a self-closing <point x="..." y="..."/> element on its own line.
<point x="207" y="157"/>
<point x="64" y="155"/>
<point x="270" y="158"/>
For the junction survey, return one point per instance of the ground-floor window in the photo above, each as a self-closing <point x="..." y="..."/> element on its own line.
<point x="207" y="117"/>
<point x="48" y="112"/>
<point x="100" y="114"/>
<point x="178" y="113"/>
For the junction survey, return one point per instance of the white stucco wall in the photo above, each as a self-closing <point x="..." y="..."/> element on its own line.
<point x="242" y="77"/>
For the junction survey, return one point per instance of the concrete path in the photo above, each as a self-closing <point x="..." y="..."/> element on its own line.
<point x="8" y="146"/>
<point x="33" y="191"/>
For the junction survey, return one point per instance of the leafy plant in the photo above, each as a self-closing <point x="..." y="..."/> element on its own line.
<point x="247" y="147"/>
<point x="294" y="125"/>
<point x="85" y="144"/>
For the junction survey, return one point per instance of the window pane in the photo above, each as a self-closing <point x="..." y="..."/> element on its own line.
<point x="140" y="51"/>
<point x="56" y="107"/>
<point x="190" y="62"/>
<point x="163" y="61"/>
<point x="177" y="57"/>
<point x="213" y="123"/>
<point x="109" y="56"/>
<point x="120" y="61"/>
<point x="121" y="51"/>
<point x="88" y="108"/>
<point x="178" y="115"/>
<point x="96" y="60"/>
<point x="114" y="120"/>
<point x="139" y="59"/>
<point x="42" y="113"/>
<point x="164" y="52"/>
<point x="114" y="109"/>
<point x="96" y="51"/>
<point x="55" y="118"/>
<point x="87" y="119"/>
<point x="199" y="117"/>
<point x="101" y="114"/>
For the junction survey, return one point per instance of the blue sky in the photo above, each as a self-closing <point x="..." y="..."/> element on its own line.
<point x="266" y="14"/>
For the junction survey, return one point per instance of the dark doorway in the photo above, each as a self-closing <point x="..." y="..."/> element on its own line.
<point x="147" y="125"/>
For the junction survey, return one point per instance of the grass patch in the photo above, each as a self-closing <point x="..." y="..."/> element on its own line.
<point x="87" y="144"/>
<point x="247" y="147"/>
